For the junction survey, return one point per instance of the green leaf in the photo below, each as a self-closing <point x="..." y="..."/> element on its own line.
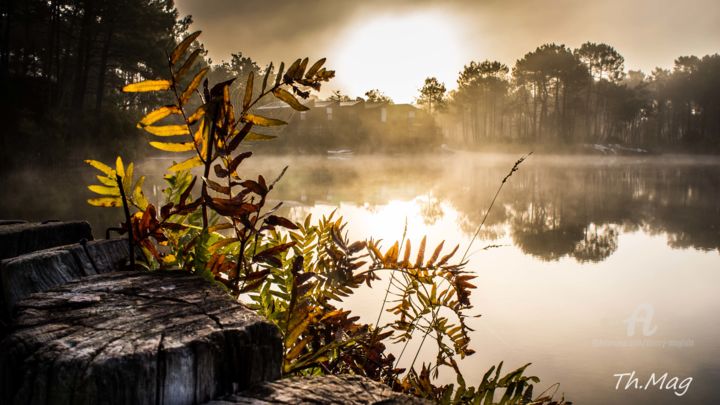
<point x="180" y="49"/>
<point x="263" y="121"/>
<point x="147" y="85"/>
<point x="168" y="130"/>
<point x="173" y="147"/>
<point x="288" y="98"/>
<point x="158" y="114"/>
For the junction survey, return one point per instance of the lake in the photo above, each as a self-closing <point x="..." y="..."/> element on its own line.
<point x="588" y="267"/>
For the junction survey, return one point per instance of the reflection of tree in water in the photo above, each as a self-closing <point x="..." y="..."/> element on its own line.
<point x="552" y="207"/>
<point x="598" y="244"/>
<point x="487" y="232"/>
<point x="430" y="209"/>
<point x="541" y="232"/>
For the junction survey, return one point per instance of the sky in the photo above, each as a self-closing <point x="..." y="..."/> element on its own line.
<point x="392" y="45"/>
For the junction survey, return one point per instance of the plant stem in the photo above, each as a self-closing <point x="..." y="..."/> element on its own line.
<point x="475" y="235"/>
<point x="208" y="163"/>
<point x="131" y="248"/>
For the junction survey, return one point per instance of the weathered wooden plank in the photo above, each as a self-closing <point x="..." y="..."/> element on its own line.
<point x="20" y="238"/>
<point x="134" y="338"/>
<point x="326" y="390"/>
<point x="39" y="271"/>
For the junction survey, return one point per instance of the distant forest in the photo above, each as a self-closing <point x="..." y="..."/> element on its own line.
<point x="555" y="95"/>
<point x="62" y="64"/>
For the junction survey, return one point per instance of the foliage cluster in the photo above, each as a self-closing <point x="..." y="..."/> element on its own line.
<point x="559" y="95"/>
<point x="62" y="63"/>
<point x="295" y="274"/>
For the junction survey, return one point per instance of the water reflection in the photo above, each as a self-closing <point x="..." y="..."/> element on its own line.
<point x="554" y="207"/>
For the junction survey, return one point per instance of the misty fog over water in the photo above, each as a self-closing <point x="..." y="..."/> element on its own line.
<point x="576" y="243"/>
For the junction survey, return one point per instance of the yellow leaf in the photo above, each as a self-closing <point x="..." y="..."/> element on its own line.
<point x="158" y="114"/>
<point x="147" y="85"/>
<point x="189" y="62"/>
<point x="105" y="202"/>
<point x="297" y="349"/>
<point x="193" y="85"/>
<point x="296" y="332"/>
<point x="248" y="91"/>
<point x="435" y="255"/>
<point x="102" y="167"/>
<point x="391" y="255"/>
<point x="168" y="130"/>
<point x="169" y="259"/>
<point x="199" y="113"/>
<point x="173" y="147"/>
<point x="107" y="180"/>
<point x="263" y="121"/>
<point x="279" y="76"/>
<point x="253" y="136"/>
<point x="180" y="49"/>
<point x="293" y="69"/>
<point x="186" y="164"/>
<point x="127" y="180"/>
<point x="314" y="68"/>
<point x="105" y="190"/>
<point x="288" y="98"/>
<point x="138" y="195"/>
<point x="119" y="167"/>
<point x="200" y="138"/>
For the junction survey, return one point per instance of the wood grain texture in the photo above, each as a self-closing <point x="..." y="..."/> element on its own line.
<point x="134" y="338"/>
<point x="325" y="390"/>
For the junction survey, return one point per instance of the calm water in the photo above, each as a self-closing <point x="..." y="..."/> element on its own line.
<point x="601" y="265"/>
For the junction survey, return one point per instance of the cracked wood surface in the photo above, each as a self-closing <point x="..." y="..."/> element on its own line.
<point x="39" y="271"/>
<point x="326" y="390"/>
<point x="134" y="338"/>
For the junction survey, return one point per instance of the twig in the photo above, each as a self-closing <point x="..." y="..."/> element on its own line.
<point x="131" y="246"/>
<point x="477" y="232"/>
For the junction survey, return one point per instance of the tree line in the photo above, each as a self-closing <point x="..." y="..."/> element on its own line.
<point x="560" y="96"/>
<point x="62" y="63"/>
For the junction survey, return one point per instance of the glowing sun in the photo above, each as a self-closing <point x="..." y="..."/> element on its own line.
<point x="395" y="53"/>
